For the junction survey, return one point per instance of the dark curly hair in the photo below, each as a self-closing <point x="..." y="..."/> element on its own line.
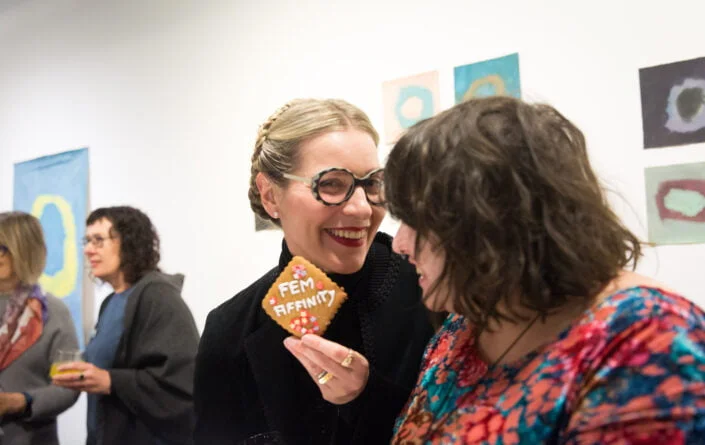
<point x="506" y="190"/>
<point x="139" y="241"/>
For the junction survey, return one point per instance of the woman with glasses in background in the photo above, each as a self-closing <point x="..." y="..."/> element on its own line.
<point x="139" y="365"/>
<point x="315" y="173"/>
<point x="35" y="326"/>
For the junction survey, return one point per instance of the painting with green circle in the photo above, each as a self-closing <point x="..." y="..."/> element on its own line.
<point x="675" y="203"/>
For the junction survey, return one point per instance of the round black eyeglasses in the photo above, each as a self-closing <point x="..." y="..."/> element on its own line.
<point x="334" y="186"/>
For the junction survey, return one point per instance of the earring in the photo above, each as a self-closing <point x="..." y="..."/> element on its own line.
<point x="275" y="215"/>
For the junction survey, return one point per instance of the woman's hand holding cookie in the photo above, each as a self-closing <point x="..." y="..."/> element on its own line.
<point x="340" y="373"/>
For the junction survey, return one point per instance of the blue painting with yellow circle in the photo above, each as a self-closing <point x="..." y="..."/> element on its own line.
<point x="55" y="190"/>
<point x="494" y="77"/>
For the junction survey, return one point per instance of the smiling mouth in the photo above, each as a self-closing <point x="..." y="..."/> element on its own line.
<point x="351" y="234"/>
<point x="353" y="237"/>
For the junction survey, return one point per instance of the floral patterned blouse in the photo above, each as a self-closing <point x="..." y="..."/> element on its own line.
<point x="630" y="371"/>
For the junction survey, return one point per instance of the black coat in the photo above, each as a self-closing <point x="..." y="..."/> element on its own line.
<point x="152" y="375"/>
<point x="250" y="390"/>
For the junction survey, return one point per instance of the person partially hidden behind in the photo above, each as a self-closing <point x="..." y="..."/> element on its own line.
<point x="35" y="327"/>
<point x="139" y="366"/>
<point x="551" y="339"/>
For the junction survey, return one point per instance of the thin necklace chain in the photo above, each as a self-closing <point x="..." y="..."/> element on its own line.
<point x="516" y="340"/>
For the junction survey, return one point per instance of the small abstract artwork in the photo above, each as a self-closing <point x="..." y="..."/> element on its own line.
<point x="673" y="103"/>
<point x="494" y="77"/>
<point x="675" y="203"/>
<point x="407" y="101"/>
<point x="264" y="224"/>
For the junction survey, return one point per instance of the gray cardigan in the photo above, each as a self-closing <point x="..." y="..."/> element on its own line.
<point x="152" y="375"/>
<point x="30" y="373"/>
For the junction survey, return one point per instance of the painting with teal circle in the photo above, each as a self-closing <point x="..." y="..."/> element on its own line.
<point x="55" y="190"/>
<point x="408" y="100"/>
<point x="494" y="77"/>
<point x="423" y="94"/>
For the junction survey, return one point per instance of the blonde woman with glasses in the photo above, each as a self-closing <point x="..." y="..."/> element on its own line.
<point x="34" y="327"/>
<point x="315" y="172"/>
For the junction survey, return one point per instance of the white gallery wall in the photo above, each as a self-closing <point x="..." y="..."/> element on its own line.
<point x="168" y="95"/>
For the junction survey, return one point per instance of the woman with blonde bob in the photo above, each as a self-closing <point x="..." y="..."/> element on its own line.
<point x="551" y="338"/>
<point x="35" y="326"/>
<point x="315" y="172"/>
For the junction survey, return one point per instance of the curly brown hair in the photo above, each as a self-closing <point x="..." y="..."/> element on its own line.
<point x="506" y="190"/>
<point x="139" y="241"/>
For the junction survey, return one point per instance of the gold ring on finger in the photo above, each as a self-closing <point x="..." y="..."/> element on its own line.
<point x="347" y="361"/>
<point x="323" y="377"/>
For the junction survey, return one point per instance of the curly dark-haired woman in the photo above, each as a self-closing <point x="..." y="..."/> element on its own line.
<point x="140" y="363"/>
<point x="551" y="339"/>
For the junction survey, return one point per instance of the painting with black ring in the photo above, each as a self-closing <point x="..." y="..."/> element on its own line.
<point x="673" y="103"/>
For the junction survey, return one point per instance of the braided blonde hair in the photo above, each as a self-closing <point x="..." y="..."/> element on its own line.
<point x="279" y="137"/>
